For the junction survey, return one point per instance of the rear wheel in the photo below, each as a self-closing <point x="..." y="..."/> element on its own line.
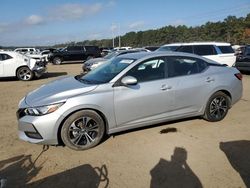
<point x="82" y="130"/>
<point x="217" y="107"/>
<point x="24" y="74"/>
<point x="57" y="61"/>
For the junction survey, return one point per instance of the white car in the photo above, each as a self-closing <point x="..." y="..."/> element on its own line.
<point x="24" y="68"/>
<point x="220" y="52"/>
<point x="26" y="50"/>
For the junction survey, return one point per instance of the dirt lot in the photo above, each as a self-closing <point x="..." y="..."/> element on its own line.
<point x="198" y="154"/>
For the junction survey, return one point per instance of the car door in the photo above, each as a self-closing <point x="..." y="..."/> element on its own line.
<point x="192" y="84"/>
<point x="73" y="53"/>
<point x="150" y="99"/>
<point x="9" y="65"/>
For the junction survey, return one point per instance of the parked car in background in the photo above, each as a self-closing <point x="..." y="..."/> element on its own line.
<point x="129" y="91"/>
<point x="122" y="48"/>
<point x="74" y="54"/>
<point x="27" y="50"/>
<point x="13" y="64"/>
<point x="220" y="52"/>
<point x="105" y="51"/>
<point x="96" y="62"/>
<point x="243" y="59"/>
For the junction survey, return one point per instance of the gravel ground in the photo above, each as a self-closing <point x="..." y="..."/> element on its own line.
<point x="188" y="153"/>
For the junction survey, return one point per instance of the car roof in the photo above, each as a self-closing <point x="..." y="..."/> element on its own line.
<point x="199" y="43"/>
<point x="146" y="55"/>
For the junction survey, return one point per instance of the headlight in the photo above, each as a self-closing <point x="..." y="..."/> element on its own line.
<point x="42" y="110"/>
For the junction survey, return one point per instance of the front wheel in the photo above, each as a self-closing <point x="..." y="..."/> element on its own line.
<point x="24" y="74"/>
<point x="217" y="107"/>
<point x="82" y="130"/>
<point x="57" y="61"/>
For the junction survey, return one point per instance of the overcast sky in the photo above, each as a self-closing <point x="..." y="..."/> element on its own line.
<point x="47" y="22"/>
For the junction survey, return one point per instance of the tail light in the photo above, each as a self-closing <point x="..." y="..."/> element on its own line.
<point x="238" y="75"/>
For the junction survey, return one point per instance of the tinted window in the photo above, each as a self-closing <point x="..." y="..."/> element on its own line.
<point x="247" y="50"/>
<point x="181" y="66"/>
<point x="149" y="70"/>
<point x="24" y="50"/>
<point x="187" y="49"/>
<point x="204" y="50"/>
<point x="45" y="53"/>
<point x="5" y="57"/>
<point x="92" y="48"/>
<point x="226" y="49"/>
<point x="74" y="48"/>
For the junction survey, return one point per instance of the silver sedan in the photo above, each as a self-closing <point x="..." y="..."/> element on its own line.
<point x="129" y="91"/>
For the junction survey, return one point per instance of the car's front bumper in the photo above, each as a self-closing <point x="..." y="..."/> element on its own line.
<point x="39" y="70"/>
<point x="38" y="129"/>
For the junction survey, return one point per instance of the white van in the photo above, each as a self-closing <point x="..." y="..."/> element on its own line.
<point x="220" y="52"/>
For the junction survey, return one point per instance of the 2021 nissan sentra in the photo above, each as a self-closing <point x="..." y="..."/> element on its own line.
<point x="129" y="91"/>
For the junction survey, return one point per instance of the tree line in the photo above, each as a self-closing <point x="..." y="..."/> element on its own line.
<point x="232" y="29"/>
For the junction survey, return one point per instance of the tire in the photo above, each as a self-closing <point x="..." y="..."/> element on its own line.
<point x="57" y="61"/>
<point x="83" y="130"/>
<point x="217" y="107"/>
<point x="24" y="74"/>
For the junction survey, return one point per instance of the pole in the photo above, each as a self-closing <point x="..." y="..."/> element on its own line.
<point x="119" y="37"/>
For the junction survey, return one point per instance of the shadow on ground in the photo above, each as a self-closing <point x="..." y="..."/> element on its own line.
<point x="174" y="173"/>
<point x="20" y="170"/>
<point x="44" y="76"/>
<point x="238" y="154"/>
<point x="52" y="74"/>
<point x="81" y="176"/>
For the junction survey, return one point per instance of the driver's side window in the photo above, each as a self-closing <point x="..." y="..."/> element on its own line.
<point x="149" y="70"/>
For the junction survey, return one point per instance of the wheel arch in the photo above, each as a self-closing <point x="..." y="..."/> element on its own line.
<point x="59" y="139"/>
<point x="21" y="67"/>
<point x="57" y="56"/>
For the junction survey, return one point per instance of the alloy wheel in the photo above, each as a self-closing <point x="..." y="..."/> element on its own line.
<point x="84" y="131"/>
<point x="218" y="107"/>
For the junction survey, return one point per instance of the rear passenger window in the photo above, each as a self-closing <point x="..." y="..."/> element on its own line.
<point x="149" y="70"/>
<point x="74" y="48"/>
<point x="186" y="49"/>
<point x="204" y="50"/>
<point x="182" y="66"/>
<point x="226" y="49"/>
<point x="5" y="57"/>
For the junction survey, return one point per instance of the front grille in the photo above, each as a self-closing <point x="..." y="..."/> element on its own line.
<point x="20" y="113"/>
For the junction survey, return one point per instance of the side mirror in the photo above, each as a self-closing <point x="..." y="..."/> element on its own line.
<point x="129" y="80"/>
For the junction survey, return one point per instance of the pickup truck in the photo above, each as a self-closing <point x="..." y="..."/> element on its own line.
<point x="74" y="54"/>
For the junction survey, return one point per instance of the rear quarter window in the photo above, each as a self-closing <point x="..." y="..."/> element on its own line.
<point x="226" y="49"/>
<point x="5" y="57"/>
<point x="204" y="50"/>
<point x="186" y="49"/>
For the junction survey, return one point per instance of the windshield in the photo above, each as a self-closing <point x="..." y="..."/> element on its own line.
<point x="167" y="48"/>
<point x="110" y="55"/>
<point x="106" y="72"/>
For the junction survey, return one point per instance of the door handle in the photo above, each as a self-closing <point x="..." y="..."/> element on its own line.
<point x="165" y="87"/>
<point x="209" y="79"/>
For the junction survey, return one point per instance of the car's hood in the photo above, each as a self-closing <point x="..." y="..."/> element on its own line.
<point x="57" y="91"/>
